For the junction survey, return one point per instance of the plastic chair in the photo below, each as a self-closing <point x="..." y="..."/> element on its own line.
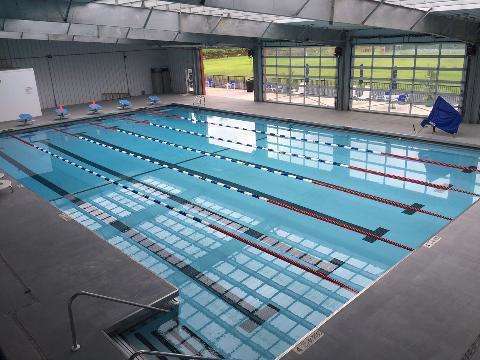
<point x="24" y="118"/>
<point x="153" y="99"/>
<point x="402" y="98"/>
<point x="124" y="104"/>
<point x="62" y="112"/>
<point x="94" y="107"/>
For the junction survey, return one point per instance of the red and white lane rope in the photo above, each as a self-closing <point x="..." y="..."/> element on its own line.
<point x="312" y="158"/>
<point x="320" y="142"/>
<point x="285" y="173"/>
<point x="191" y="216"/>
<point x="250" y="192"/>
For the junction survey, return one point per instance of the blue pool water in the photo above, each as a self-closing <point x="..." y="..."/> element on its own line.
<point x="266" y="227"/>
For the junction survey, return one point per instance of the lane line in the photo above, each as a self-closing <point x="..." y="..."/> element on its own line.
<point x="464" y="168"/>
<point x="288" y="174"/>
<point x="324" y="265"/>
<point x="244" y="190"/>
<point x="194" y="218"/>
<point x="329" y="162"/>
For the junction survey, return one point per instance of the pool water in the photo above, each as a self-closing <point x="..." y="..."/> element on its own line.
<point x="266" y="227"/>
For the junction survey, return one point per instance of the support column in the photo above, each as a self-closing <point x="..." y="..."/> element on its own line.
<point x="198" y="78"/>
<point x="344" y="76"/>
<point x="471" y="102"/>
<point x="258" y="73"/>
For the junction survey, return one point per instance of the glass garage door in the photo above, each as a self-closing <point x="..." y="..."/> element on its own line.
<point x="407" y="78"/>
<point x="300" y="75"/>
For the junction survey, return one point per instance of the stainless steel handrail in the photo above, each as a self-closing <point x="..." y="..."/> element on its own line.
<point x="76" y="345"/>
<point x="180" y="356"/>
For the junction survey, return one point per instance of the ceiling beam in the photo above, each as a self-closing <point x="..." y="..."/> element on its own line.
<point x="61" y="31"/>
<point x="354" y="12"/>
<point x="153" y="24"/>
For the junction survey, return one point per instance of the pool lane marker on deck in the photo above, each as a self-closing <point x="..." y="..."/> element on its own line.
<point x="329" y="162"/>
<point x="466" y="169"/>
<point x="408" y="209"/>
<point x="246" y="191"/>
<point x="316" y="272"/>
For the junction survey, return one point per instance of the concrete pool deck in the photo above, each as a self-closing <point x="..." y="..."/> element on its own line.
<point x="394" y="125"/>
<point x="424" y="308"/>
<point x="44" y="260"/>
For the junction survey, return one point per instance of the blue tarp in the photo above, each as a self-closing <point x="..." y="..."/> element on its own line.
<point x="443" y="116"/>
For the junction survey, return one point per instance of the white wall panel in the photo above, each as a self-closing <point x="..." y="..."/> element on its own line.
<point x="139" y="65"/>
<point x="42" y="76"/>
<point x="74" y="72"/>
<point x="179" y="60"/>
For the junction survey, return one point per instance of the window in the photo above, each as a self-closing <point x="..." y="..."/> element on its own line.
<point x="300" y="75"/>
<point x="407" y="78"/>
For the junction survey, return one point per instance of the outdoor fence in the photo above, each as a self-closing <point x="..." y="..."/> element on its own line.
<point x="314" y="87"/>
<point x="419" y="93"/>
<point x="224" y="81"/>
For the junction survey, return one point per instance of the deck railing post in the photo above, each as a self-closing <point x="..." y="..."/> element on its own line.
<point x="161" y="353"/>
<point x="75" y="344"/>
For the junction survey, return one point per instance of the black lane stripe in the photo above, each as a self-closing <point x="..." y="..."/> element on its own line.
<point x="463" y="168"/>
<point x="187" y="270"/>
<point x="89" y="162"/>
<point x="322" y="265"/>
<point x="202" y="279"/>
<point x="302" y="156"/>
<point x="256" y="194"/>
<point x="316" y="271"/>
<point x="203" y="342"/>
<point x="37" y="177"/>
<point x="285" y="174"/>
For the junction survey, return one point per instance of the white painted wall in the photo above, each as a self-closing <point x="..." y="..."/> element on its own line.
<point x="18" y="94"/>
<point x="73" y="72"/>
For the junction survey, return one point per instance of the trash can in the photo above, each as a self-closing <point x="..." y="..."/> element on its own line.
<point x="160" y="81"/>
<point x="249" y="85"/>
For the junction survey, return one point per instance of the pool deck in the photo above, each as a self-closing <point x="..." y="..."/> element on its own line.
<point x="395" y="125"/>
<point x="427" y="307"/>
<point x="43" y="261"/>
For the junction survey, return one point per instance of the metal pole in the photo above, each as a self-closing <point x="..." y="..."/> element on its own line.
<point x="160" y="353"/>
<point x="75" y="344"/>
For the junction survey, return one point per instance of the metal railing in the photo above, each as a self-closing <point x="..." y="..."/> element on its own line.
<point x="75" y="344"/>
<point x="160" y="353"/>
<point x="199" y="100"/>
<point x="221" y="81"/>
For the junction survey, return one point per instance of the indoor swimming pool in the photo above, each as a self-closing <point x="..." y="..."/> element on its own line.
<point x="266" y="227"/>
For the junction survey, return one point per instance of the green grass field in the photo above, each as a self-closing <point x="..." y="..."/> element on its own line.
<point x="243" y="66"/>
<point x="234" y="66"/>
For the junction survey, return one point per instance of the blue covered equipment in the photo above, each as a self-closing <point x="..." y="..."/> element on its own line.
<point x="62" y="112"/>
<point x="153" y="99"/>
<point x="124" y="104"/>
<point x="94" y="107"/>
<point x="443" y="116"/>
<point x="24" y="118"/>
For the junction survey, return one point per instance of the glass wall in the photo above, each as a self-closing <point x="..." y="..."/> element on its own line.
<point x="300" y="75"/>
<point x="407" y="78"/>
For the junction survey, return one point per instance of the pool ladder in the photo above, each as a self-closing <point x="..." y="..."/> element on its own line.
<point x="76" y="345"/>
<point x="161" y="353"/>
<point x="199" y="100"/>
